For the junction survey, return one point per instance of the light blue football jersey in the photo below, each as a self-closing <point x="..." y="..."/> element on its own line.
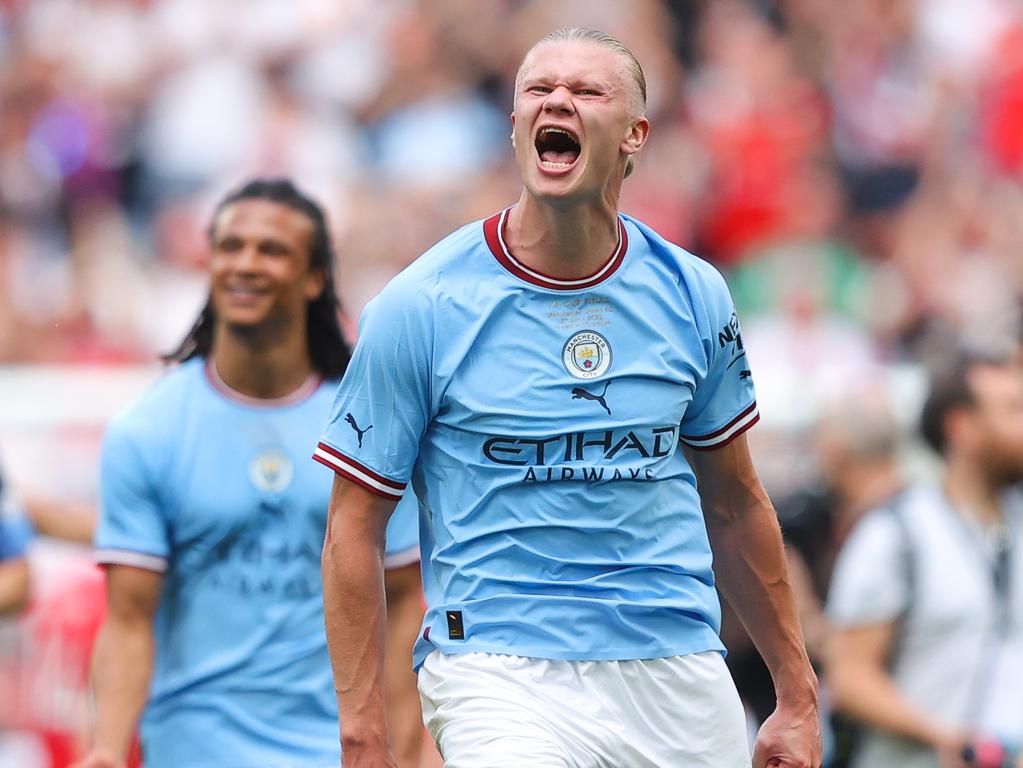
<point x="539" y="421"/>
<point x="214" y="490"/>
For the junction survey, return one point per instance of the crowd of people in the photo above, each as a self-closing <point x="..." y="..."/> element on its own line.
<point x="854" y="170"/>
<point x="855" y="167"/>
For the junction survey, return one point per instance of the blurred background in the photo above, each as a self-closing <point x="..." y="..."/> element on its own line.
<point x="855" y="169"/>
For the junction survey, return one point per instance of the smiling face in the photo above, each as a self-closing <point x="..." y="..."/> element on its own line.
<point x="577" y="120"/>
<point x="260" y="267"/>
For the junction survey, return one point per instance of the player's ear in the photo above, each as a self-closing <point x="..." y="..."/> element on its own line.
<point x="512" y="116"/>
<point x="960" y="427"/>
<point x="315" y="282"/>
<point x="635" y="138"/>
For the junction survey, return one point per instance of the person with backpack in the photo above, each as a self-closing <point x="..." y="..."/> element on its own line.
<point x="927" y="596"/>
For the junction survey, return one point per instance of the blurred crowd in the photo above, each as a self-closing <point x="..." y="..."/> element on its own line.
<point x="854" y="166"/>
<point x="855" y="169"/>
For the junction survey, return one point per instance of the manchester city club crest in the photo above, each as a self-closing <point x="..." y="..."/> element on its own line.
<point x="271" y="471"/>
<point x="586" y="355"/>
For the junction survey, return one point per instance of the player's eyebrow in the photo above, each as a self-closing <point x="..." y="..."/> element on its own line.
<point x="273" y="245"/>
<point x="226" y="238"/>
<point x="573" y="83"/>
<point x="266" y="244"/>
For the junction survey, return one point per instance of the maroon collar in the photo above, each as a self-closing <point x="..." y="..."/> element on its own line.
<point x="493" y="231"/>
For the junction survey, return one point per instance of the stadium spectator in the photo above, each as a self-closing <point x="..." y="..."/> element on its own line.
<point x="857" y="444"/>
<point x="761" y="120"/>
<point x="534" y="374"/>
<point x="927" y="599"/>
<point x="94" y="97"/>
<point x="211" y="524"/>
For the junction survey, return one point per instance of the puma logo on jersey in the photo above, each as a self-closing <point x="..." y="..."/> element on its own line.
<point x="578" y="393"/>
<point x="360" y="432"/>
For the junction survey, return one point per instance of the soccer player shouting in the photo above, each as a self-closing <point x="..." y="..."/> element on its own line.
<point x="211" y="524"/>
<point x="554" y="380"/>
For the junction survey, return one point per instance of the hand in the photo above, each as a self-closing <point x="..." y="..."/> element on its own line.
<point x="789" y="738"/>
<point x="949" y="748"/>
<point x="100" y="758"/>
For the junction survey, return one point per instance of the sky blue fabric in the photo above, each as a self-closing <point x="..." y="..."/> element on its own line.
<point x="222" y="495"/>
<point x="539" y="425"/>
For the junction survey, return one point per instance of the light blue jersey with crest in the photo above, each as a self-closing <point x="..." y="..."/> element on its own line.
<point x="214" y="490"/>
<point x="539" y="422"/>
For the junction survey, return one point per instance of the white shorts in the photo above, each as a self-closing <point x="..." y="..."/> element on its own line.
<point x="493" y="711"/>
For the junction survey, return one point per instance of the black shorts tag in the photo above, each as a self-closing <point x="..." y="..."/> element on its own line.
<point x="456" y="630"/>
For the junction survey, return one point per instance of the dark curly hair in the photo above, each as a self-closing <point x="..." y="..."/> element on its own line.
<point x="328" y="350"/>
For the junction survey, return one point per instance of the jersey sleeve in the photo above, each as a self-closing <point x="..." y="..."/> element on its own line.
<point x="724" y="403"/>
<point x="382" y="405"/>
<point x="869" y="583"/>
<point x="132" y="528"/>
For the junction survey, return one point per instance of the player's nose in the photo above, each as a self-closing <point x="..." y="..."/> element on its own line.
<point x="558" y="100"/>
<point x="247" y="259"/>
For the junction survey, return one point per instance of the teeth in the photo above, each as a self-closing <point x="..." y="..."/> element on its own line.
<point x="547" y="131"/>
<point x="555" y="166"/>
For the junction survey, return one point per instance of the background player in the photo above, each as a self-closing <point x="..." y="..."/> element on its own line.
<point x="211" y="525"/>
<point x="573" y="618"/>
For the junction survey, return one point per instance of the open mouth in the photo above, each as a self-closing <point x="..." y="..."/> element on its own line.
<point x="557" y="148"/>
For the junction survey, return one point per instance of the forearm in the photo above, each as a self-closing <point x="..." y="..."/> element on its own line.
<point x="71" y="521"/>
<point x="752" y="574"/>
<point x="870" y="696"/>
<point x="122" y="665"/>
<point x="864" y="689"/>
<point x="354" y="613"/>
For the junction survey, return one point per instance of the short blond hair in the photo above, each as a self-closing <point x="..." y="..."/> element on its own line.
<point x="606" y="40"/>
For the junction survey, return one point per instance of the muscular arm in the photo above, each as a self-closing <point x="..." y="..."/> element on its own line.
<point x="750" y="568"/>
<point x="122" y="662"/>
<point x="403" y="587"/>
<point x="353" y="607"/>
<point x="864" y="690"/>
<point x="14" y="585"/>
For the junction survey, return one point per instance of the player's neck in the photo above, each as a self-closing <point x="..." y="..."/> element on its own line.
<point x="566" y="243"/>
<point x="971" y="494"/>
<point x="260" y="367"/>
